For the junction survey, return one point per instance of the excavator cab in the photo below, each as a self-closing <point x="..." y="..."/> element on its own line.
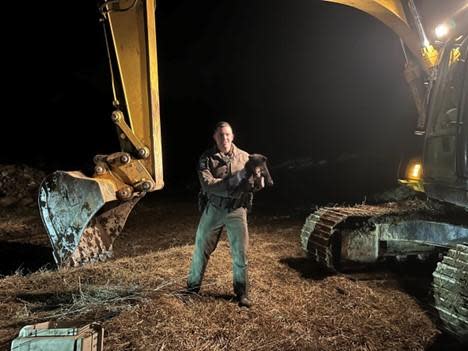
<point x="84" y="214"/>
<point x="445" y="151"/>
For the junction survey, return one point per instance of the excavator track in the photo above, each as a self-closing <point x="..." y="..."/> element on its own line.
<point x="323" y="238"/>
<point x="450" y="291"/>
<point x="320" y="233"/>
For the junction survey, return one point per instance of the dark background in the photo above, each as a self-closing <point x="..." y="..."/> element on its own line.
<point x="317" y="87"/>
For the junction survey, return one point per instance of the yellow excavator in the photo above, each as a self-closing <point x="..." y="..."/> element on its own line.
<point x="83" y="215"/>
<point x="340" y="238"/>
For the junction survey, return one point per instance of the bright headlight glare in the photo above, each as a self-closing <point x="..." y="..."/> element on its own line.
<point x="415" y="171"/>
<point x="442" y="30"/>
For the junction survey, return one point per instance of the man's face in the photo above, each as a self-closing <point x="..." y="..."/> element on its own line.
<point x="223" y="138"/>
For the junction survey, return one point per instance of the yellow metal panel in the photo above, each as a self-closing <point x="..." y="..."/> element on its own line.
<point x="154" y="95"/>
<point x="391" y="13"/>
<point x="134" y="37"/>
<point x="395" y="7"/>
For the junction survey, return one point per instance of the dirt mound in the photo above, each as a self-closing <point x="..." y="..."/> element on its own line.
<point x="399" y="193"/>
<point x="19" y="185"/>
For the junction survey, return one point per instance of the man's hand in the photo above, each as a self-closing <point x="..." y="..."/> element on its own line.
<point x="258" y="182"/>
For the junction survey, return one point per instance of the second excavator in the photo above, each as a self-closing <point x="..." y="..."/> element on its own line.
<point x="342" y="237"/>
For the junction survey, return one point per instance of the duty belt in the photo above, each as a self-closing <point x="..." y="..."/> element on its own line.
<point x="228" y="203"/>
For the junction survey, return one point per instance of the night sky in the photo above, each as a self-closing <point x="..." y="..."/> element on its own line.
<point x="300" y="80"/>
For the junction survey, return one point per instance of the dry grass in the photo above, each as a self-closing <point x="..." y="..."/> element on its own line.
<point x="138" y="296"/>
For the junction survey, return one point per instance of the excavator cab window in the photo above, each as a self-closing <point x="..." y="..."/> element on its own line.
<point x="445" y="140"/>
<point x="447" y="93"/>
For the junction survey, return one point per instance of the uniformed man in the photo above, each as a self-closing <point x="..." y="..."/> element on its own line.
<point x="223" y="180"/>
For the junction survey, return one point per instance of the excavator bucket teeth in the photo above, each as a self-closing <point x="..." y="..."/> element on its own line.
<point x="67" y="202"/>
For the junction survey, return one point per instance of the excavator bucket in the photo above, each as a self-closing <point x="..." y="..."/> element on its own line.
<point x="81" y="216"/>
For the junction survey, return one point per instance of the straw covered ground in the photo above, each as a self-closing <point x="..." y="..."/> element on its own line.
<point x="138" y="296"/>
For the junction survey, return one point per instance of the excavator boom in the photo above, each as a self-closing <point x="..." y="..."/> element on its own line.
<point x="402" y="17"/>
<point x="392" y="14"/>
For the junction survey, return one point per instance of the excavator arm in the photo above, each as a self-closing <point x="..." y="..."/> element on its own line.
<point x="84" y="215"/>
<point x="133" y="57"/>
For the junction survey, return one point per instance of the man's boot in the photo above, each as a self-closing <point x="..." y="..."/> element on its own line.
<point x="241" y="290"/>
<point x="193" y="289"/>
<point x="244" y="301"/>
